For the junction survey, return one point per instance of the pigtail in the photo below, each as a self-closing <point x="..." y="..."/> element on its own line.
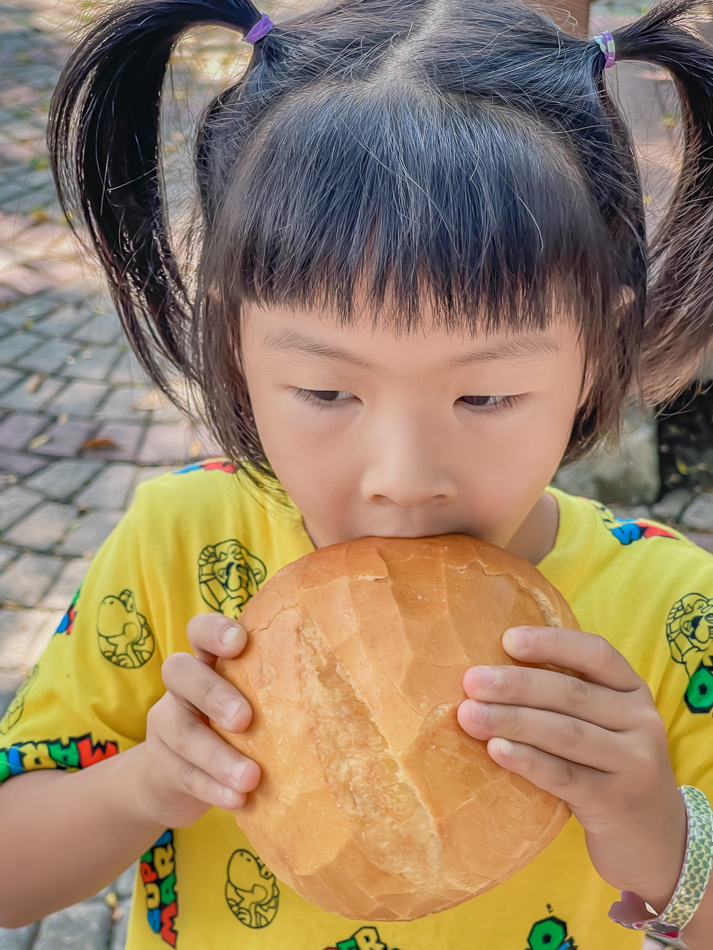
<point x="679" y="322"/>
<point x="103" y="138"/>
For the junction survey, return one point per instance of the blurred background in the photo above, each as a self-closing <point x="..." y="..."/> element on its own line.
<point x="79" y="425"/>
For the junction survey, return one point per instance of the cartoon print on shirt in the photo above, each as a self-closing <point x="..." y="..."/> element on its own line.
<point x="366" y="938"/>
<point x="16" y="708"/>
<point x="125" y="637"/>
<point x="228" y="576"/>
<point x="550" y="934"/>
<point x="158" y="872"/>
<point x="66" y="624"/>
<point x="78" y="752"/>
<point x="251" y="890"/>
<point x="689" y="629"/>
<point x="209" y="465"/>
<point x="629" y="530"/>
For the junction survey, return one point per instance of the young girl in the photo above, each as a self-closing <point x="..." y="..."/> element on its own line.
<point x="423" y="283"/>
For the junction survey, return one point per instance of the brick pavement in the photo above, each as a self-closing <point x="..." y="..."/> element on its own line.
<point x="79" y="425"/>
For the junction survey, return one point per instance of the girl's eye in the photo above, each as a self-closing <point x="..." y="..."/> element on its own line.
<point x="323" y="397"/>
<point x="494" y="403"/>
<point x="320" y="397"/>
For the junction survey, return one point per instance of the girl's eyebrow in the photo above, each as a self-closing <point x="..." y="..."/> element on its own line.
<point x="521" y="346"/>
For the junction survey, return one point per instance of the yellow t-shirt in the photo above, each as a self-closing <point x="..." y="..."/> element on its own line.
<point x="199" y="539"/>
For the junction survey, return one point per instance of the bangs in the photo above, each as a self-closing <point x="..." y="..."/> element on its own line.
<point x="481" y="210"/>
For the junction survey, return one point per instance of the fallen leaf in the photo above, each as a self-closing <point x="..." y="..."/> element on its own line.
<point x="38" y="441"/>
<point x="34" y="382"/>
<point x="98" y="444"/>
<point x="28" y="324"/>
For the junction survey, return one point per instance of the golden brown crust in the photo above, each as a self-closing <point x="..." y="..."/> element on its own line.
<point x="374" y="804"/>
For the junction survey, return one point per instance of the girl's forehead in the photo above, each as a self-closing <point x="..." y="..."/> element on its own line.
<point x="283" y="329"/>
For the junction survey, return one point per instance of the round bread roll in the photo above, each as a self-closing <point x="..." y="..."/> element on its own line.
<point x="374" y="803"/>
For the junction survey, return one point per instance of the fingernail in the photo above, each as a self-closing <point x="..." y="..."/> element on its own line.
<point x="484" y="676"/>
<point x="228" y="795"/>
<point x="238" y="771"/>
<point x="231" y="634"/>
<point x="504" y="747"/>
<point x="231" y="710"/>
<point x="519" y="637"/>
<point x="478" y="712"/>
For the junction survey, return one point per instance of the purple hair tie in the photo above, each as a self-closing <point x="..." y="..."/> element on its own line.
<point x="261" y="28"/>
<point x="606" y="45"/>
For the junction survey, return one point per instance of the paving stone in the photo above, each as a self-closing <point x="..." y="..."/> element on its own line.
<point x="702" y="539"/>
<point x="24" y="635"/>
<point x="88" y="536"/>
<point x="32" y="394"/>
<point x="124" y="885"/>
<point x="6" y="554"/>
<point x="122" y="405"/>
<point x="110" y="488"/>
<point x="79" y="927"/>
<point x="22" y="937"/>
<point x="699" y="514"/>
<point x="170" y="444"/>
<point x="672" y="505"/>
<point x="49" y="357"/>
<point x="43" y="528"/>
<point x="63" y="322"/>
<point x="100" y="328"/>
<point x="60" y="595"/>
<point x="121" y="927"/>
<point x="167" y="413"/>
<point x="60" y="480"/>
<point x="17" y="344"/>
<point x="65" y="438"/>
<point x="19" y="463"/>
<point x="128" y="370"/>
<point x="125" y="438"/>
<point x="632" y="513"/>
<point x="18" y="429"/>
<point x="92" y="363"/>
<point x="24" y="280"/>
<point x="15" y="502"/>
<point x="32" y="308"/>
<point x="79" y="398"/>
<point x="8" y="378"/>
<point x="28" y="578"/>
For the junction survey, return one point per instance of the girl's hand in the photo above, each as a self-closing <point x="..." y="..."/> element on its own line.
<point x="598" y="743"/>
<point x="186" y="766"/>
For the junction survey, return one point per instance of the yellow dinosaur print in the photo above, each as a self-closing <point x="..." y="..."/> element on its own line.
<point x="125" y="637"/>
<point x="251" y="890"/>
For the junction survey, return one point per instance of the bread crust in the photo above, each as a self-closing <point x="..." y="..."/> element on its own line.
<point x="374" y="804"/>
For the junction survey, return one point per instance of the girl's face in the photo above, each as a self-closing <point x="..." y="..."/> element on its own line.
<point x="423" y="434"/>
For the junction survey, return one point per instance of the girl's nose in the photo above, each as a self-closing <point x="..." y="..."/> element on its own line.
<point x="406" y="467"/>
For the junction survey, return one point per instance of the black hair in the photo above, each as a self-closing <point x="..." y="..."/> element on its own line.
<point x="467" y="154"/>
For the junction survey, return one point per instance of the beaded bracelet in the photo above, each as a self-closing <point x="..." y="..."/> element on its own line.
<point x="631" y="911"/>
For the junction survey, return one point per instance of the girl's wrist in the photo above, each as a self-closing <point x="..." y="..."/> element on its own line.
<point x="133" y="760"/>
<point x="669" y="917"/>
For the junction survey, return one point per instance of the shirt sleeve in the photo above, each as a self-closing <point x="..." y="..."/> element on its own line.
<point x="88" y="696"/>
